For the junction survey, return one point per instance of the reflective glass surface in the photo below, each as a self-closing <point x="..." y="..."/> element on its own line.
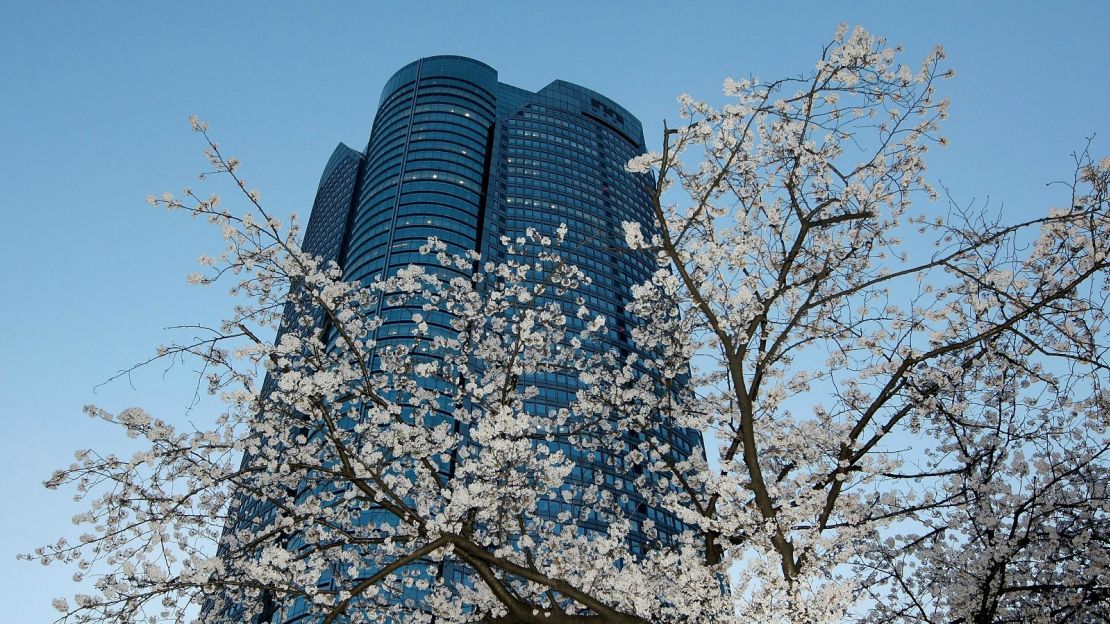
<point x="457" y="155"/>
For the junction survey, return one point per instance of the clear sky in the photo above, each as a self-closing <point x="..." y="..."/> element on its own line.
<point x="94" y="98"/>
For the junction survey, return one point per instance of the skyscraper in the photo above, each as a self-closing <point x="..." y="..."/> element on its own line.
<point x="460" y="156"/>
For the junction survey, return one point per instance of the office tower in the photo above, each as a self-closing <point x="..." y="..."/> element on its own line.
<point x="460" y="156"/>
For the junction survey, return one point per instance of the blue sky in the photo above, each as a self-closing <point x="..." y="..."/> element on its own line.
<point x="94" y="98"/>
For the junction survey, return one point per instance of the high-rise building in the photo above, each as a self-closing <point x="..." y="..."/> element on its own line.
<point x="460" y="156"/>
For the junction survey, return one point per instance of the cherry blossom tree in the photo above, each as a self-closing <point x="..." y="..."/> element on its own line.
<point x="895" y="432"/>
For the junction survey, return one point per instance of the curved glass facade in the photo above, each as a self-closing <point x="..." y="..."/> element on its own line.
<point x="425" y="166"/>
<point x="455" y="154"/>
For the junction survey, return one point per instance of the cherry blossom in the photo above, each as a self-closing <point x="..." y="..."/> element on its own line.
<point x="894" y="432"/>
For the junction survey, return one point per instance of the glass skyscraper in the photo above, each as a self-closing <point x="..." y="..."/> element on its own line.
<point x="460" y="156"/>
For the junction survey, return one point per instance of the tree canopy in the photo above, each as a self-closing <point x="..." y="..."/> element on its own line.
<point x="895" y="431"/>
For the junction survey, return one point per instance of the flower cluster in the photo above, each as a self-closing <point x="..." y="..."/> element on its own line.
<point x="893" y="432"/>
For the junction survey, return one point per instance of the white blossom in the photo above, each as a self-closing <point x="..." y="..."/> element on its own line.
<point x="891" y="435"/>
